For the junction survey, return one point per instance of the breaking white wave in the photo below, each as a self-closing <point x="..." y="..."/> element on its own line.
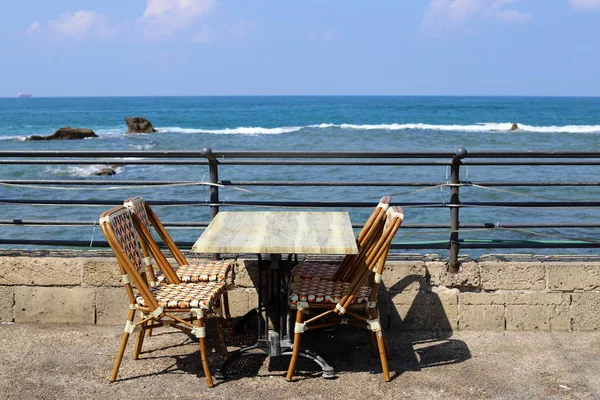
<point x="234" y="131"/>
<point x="146" y="146"/>
<point x="110" y="131"/>
<point x="479" y="127"/>
<point x="82" y="171"/>
<point x="20" y="138"/>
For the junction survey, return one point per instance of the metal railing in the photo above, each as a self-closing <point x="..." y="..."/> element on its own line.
<point x="217" y="161"/>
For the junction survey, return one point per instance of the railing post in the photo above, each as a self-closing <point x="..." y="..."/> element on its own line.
<point x="214" y="190"/>
<point x="461" y="153"/>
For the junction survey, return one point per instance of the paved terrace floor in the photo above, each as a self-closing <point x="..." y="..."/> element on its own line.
<point x="74" y="361"/>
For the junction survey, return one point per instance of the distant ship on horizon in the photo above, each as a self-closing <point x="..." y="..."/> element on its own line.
<point x="23" y="95"/>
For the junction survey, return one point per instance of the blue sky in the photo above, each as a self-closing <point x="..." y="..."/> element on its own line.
<point x="272" y="47"/>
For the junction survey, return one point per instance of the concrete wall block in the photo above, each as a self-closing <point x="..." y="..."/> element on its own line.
<point x="423" y="311"/>
<point x="528" y="317"/>
<point x="481" y="317"/>
<point x="471" y="298"/>
<point x="585" y="311"/>
<point x="405" y="275"/>
<point x="54" y="304"/>
<point x="7" y="300"/>
<point x="54" y="271"/>
<point x="112" y="306"/>
<point x="246" y="273"/>
<point x="560" y="320"/>
<point x="241" y="301"/>
<point x="513" y="276"/>
<point x="573" y="276"/>
<point x="467" y="277"/>
<point x="538" y="298"/>
<point x="101" y="272"/>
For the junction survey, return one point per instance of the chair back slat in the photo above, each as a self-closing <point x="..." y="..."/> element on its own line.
<point x="366" y="238"/>
<point x="149" y="219"/>
<point x="376" y="256"/>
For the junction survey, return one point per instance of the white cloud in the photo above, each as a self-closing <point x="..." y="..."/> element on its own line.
<point x="447" y="14"/>
<point x="189" y="9"/>
<point x="34" y="27"/>
<point x="79" y="23"/>
<point x="162" y="18"/>
<point x="585" y="4"/>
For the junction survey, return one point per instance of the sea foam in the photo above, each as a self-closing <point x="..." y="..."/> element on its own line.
<point x="233" y="131"/>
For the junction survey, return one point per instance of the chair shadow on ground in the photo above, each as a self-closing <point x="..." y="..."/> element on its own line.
<point x="422" y="338"/>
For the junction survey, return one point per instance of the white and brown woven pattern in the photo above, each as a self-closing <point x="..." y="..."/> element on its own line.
<point x="310" y="270"/>
<point x="205" y="271"/>
<point x="137" y="205"/>
<point x="325" y="292"/>
<point x="185" y="296"/>
<point x="122" y="226"/>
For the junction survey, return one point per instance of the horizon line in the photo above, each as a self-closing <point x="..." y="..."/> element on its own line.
<point x="299" y="95"/>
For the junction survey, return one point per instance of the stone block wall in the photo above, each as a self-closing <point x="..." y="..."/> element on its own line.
<point x="495" y="293"/>
<point x="492" y="293"/>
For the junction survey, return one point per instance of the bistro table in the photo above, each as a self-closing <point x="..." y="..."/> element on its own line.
<point x="273" y="233"/>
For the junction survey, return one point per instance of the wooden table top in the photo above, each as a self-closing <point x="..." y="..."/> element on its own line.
<point x="278" y="232"/>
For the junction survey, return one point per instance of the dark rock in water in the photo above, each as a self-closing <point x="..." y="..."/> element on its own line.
<point x="107" y="171"/>
<point x="67" y="133"/>
<point x="514" y="127"/>
<point x="139" y="125"/>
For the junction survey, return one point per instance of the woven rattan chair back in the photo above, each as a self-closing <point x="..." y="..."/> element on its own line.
<point x="367" y="237"/>
<point x="138" y="206"/>
<point x="118" y="228"/>
<point x="373" y="259"/>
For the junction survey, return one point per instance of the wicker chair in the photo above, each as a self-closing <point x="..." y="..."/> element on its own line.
<point x="203" y="271"/>
<point x="311" y="270"/>
<point x="339" y="302"/>
<point x="158" y="305"/>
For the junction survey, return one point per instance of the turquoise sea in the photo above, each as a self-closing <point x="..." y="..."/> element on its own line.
<point x="310" y="123"/>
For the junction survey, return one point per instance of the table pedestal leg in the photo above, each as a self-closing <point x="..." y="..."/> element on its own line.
<point x="273" y="279"/>
<point x="328" y="372"/>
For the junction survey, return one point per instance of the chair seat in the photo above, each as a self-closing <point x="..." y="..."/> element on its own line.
<point x="328" y="292"/>
<point x="205" y="271"/>
<point x="310" y="270"/>
<point x="193" y="295"/>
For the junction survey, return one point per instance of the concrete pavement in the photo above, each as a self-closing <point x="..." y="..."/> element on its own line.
<point x="52" y="361"/>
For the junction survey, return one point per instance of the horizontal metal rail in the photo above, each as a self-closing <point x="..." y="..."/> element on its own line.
<point x="450" y="161"/>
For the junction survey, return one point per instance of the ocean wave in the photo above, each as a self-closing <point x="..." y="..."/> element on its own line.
<point x="146" y="146"/>
<point x="81" y="171"/>
<point x="478" y="127"/>
<point x="234" y="131"/>
<point x="110" y="131"/>
<point x="19" y="138"/>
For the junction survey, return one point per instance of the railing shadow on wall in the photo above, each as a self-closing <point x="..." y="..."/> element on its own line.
<point x="553" y="207"/>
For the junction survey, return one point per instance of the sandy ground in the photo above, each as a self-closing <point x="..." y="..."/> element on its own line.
<point x="74" y="362"/>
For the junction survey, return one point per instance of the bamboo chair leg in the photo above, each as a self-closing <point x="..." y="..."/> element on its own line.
<point x="373" y="342"/>
<point x="124" y="339"/>
<point x="221" y="335"/>
<point x="227" y="312"/>
<point x="383" y="355"/>
<point x="150" y="323"/>
<point x="295" y="348"/>
<point x="139" y="342"/>
<point x="205" y="366"/>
